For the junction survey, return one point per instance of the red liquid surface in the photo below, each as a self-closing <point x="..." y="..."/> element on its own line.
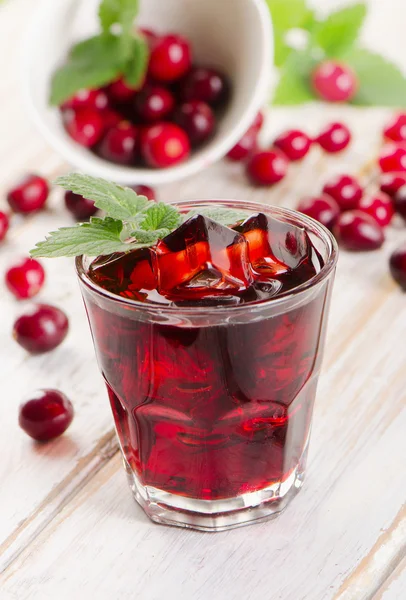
<point x="212" y="411"/>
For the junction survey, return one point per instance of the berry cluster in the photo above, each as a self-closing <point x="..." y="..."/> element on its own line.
<point x="159" y="124"/>
<point x="268" y="167"/>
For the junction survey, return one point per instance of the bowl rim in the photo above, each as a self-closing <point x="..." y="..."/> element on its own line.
<point x="127" y="175"/>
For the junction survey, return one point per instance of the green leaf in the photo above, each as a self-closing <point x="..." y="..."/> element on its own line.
<point x="288" y="14"/>
<point x="118" y="202"/>
<point x="381" y="83"/>
<point x="340" y="29"/>
<point x="160" y="216"/>
<point x="118" y="11"/>
<point x="149" y="237"/>
<point x="293" y="87"/>
<point x="281" y="49"/>
<point x="137" y="65"/>
<point x="91" y="63"/>
<point x="223" y="216"/>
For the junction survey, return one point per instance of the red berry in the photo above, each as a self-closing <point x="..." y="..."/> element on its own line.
<point x="399" y="202"/>
<point x="345" y="190"/>
<point x="197" y="119"/>
<point x="334" y="138"/>
<point x="164" y="145"/>
<point x="334" y="82"/>
<point x="85" y="126"/>
<point x="4" y="225"/>
<point x="80" y="207"/>
<point x="357" y="230"/>
<point x="259" y="121"/>
<point x="207" y="85"/>
<point x="294" y="144"/>
<point x="46" y="415"/>
<point x="396" y="129"/>
<point x="111" y="118"/>
<point x="390" y="183"/>
<point x="120" y="144"/>
<point x="322" y="208"/>
<point x="379" y="206"/>
<point x="170" y="58"/>
<point x="246" y="145"/>
<point x="397" y="263"/>
<point x="25" y="278"/>
<point x="267" y="167"/>
<point x="41" y="329"/>
<point x="119" y="91"/>
<point x="392" y="157"/>
<point x="154" y="103"/>
<point x="150" y="35"/>
<point x="145" y="190"/>
<point x="94" y="99"/>
<point x="30" y="195"/>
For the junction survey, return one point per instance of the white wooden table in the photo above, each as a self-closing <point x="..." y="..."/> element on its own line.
<point x="69" y="528"/>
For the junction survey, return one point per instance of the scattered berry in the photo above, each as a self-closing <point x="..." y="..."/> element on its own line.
<point x="345" y="190"/>
<point x="30" y="195"/>
<point x="47" y="414"/>
<point x="358" y="231"/>
<point x="197" y="119"/>
<point x="393" y="157"/>
<point x="397" y="264"/>
<point x="334" y="138"/>
<point x="93" y="99"/>
<point x="399" y="202"/>
<point x="4" y="225"/>
<point x="85" y="126"/>
<point x="294" y="144"/>
<point x="396" y="129"/>
<point x="41" y="329"/>
<point x="25" y="278"/>
<point x="170" y="58"/>
<point x="390" y="183"/>
<point x="379" y="206"/>
<point x="119" y="91"/>
<point x="322" y="208"/>
<point x="246" y="146"/>
<point x="154" y="103"/>
<point x="81" y="208"/>
<point x="164" y="145"/>
<point x="145" y="190"/>
<point x="267" y="167"/>
<point x="120" y="144"/>
<point x="334" y="82"/>
<point x="206" y="85"/>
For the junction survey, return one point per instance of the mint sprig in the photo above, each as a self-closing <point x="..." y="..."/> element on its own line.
<point x="131" y="221"/>
<point x="116" y="51"/>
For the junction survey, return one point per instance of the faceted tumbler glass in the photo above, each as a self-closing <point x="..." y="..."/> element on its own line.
<point x="213" y="405"/>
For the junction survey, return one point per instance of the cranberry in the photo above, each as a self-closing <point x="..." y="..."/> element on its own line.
<point x="267" y="167"/>
<point x="392" y="157"/>
<point x="94" y="99"/>
<point x="357" y="230"/>
<point x="334" y="138"/>
<point x="154" y="103"/>
<point x="399" y="202"/>
<point x="41" y="329"/>
<point x="396" y="129"/>
<point x="164" y="144"/>
<point x="197" y="119"/>
<point x="4" y="225"/>
<point x="345" y="190"/>
<point x="144" y="190"/>
<point x="294" y="144"/>
<point x="111" y="118"/>
<point x="334" y="82"/>
<point x="322" y="208"/>
<point x="25" y="278"/>
<point x="397" y="265"/>
<point x="246" y="145"/>
<point x="119" y="91"/>
<point x="46" y="415"/>
<point x="207" y="85"/>
<point x="80" y="207"/>
<point x="30" y="195"/>
<point x="379" y="206"/>
<point x="170" y="58"/>
<point x="120" y="144"/>
<point x="390" y="183"/>
<point x="85" y="126"/>
<point x="259" y="121"/>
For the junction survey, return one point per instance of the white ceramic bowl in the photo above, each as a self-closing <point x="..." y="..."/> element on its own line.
<point x="233" y="35"/>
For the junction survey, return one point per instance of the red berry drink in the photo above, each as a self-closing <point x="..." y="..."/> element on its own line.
<point x="210" y="343"/>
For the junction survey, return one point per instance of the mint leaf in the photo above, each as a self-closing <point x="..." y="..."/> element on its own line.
<point x="290" y="14"/>
<point x="160" y="216"/>
<point x="149" y="237"/>
<point x="222" y="215"/>
<point x="92" y="63"/>
<point x="118" y="202"/>
<point x="136" y="66"/>
<point x="100" y="236"/>
<point x="123" y="13"/>
<point x="340" y="29"/>
<point x="281" y="49"/>
<point x="381" y="83"/>
<point x="294" y="87"/>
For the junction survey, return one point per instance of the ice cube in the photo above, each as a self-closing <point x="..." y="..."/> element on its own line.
<point x="202" y="258"/>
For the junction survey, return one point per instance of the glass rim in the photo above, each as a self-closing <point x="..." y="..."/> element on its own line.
<point x="307" y="222"/>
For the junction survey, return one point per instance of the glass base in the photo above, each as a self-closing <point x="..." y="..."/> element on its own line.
<point x="217" y="515"/>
